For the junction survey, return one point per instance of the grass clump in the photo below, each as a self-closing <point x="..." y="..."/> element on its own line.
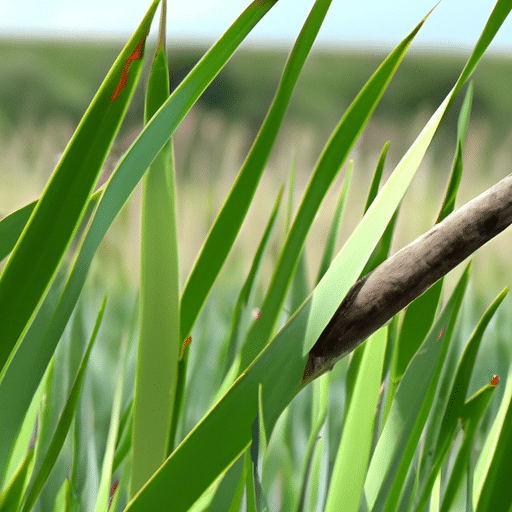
<point x="205" y="419"/>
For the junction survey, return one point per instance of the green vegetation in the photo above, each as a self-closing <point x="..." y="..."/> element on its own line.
<point x="161" y="396"/>
<point x="245" y="86"/>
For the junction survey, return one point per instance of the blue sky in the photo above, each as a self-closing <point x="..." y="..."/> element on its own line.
<point x="455" y="24"/>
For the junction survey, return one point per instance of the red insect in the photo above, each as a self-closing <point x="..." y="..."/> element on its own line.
<point x="495" y="380"/>
<point x="188" y="341"/>
<point x="113" y="488"/>
<point x="135" y="55"/>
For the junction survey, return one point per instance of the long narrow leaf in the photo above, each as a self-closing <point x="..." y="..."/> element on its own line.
<point x="243" y="298"/>
<point x="38" y="253"/>
<point x="409" y="410"/>
<point x="489" y="450"/>
<point x="456" y="173"/>
<point x="332" y="158"/>
<point x="159" y="342"/>
<point x="19" y="386"/>
<point x="496" y="491"/>
<point x="420" y="314"/>
<point x="278" y="368"/>
<point x="102" y="500"/>
<point x="65" y="420"/>
<point x="228" y="222"/>
<point x="379" y="254"/>
<point x="473" y="411"/>
<point x="335" y="226"/>
<point x="11" y="227"/>
<point x="182" y="478"/>
<point x="447" y="425"/>
<point x="119" y="187"/>
<point x="64" y="498"/>
<point x="327" y="298"/>
<point x="319" y="406"/>
<point x="12" y="496"/>
<point x="347" y="481"/>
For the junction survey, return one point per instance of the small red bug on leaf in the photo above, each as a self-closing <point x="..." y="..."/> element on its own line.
<point x="135" y="55"/>
<point x="188" y="341"/>
<point x="113" y="488"/>
<point x="256" y="313"/>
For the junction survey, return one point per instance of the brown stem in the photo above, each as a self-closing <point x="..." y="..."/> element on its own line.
<point x="382" y="293"/>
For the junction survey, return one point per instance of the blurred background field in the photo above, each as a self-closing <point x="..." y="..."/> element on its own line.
<point x="46" y="86"/>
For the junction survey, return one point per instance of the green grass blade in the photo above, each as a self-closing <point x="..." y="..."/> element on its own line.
<point x="63" y="500"/>
<point x="420" y="314"/>
<point x="102" y="500"/>
<point x="64" y="423"/>
<point x="499" y="468"/>
<point x="291" y="192"/>
<point x="36" y="423"/>
<point x="409" y="410"/>
<point x="349" y="260"/>
<point x="436" y="495"/>
<point x="381" y="251"/>
<point x="455" y="400"/>
<point x="243" y="298"/>
<point x="331" y="160"/>
<point x="456" y="173"/>
<point x="227" y="225"/>
<point x="52" y="224"/>
<point x="377" y="176"/>
<point x="11" y="227"/>
<point x="182" y="479"/>
<point x="465" y="111"/>
<point x="319" y="406"/>
<point x="498" y="15"/>
<point x="335" y="226"/>
<point x="316" y="480"/>
<point x="119" y="187"/>
<point x="347" y="480"/>
<point x="250" y="490"/>
<point x="299" y="289"/>
<point x="323" y="310"/>
<point x="257" y="449"/>
<point x="473" y="412"/>
<point x="11" y="497"/>
<point x="241" y="323"/>
<point x="159" y="342"/>
<point x="418" y="320"/>
<point x="124" y="437"/>
<point x="487" y="454"/>
<point x="278" y="368"/>
<point x="13" y="224"/>
<point x="22" y="378"/>
<point x="230" y="490"/>
<point x="379" y="254"/>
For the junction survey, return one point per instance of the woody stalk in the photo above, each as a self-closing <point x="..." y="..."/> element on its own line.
<point x="380" y="294"/>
